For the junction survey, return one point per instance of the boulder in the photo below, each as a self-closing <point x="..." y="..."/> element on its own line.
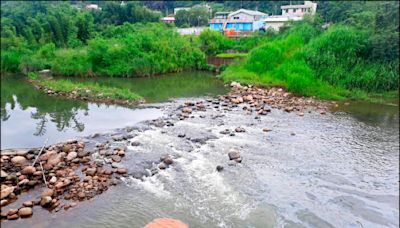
<point x="25" y="212"/>
<point x="219" y="168"/>
<point x="240" y="129"/>
<point x="116" y="158"/>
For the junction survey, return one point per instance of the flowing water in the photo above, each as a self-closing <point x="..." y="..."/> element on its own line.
<point x="29" y="117"/>
<point x="335" y="170"/>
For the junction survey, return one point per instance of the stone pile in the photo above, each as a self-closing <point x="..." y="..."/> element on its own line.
<point x="69" y="171"/>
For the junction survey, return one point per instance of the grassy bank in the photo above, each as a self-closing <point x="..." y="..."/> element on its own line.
<point x="330" y="64"/>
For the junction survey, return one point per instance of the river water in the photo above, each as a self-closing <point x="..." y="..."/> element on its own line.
<point x="29" y="117"/>
<point x="335" y="170"/>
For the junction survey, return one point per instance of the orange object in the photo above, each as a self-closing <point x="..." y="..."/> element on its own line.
<point x="166" y="223"/>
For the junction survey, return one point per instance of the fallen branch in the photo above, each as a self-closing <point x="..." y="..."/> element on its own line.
<point x="40" y="152"/>
<point x="44" y="177"/>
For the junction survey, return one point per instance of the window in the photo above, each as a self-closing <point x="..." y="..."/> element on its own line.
<point x="235" y="18"/>
<point x="294" y="10"/>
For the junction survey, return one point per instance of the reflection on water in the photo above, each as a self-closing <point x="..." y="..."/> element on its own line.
<point x="29" y="117"/>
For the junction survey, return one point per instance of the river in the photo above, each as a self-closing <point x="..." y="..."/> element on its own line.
<point x="335" y="170"/>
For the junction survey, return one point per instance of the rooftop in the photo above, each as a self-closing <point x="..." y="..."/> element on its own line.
<point x="250" y="12"/>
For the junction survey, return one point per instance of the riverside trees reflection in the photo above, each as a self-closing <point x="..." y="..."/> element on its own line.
<point x="16" y="94"/>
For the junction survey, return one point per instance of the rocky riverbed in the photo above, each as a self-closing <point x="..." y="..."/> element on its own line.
<point x="81" y="169"/>
<point x="74" y="170"/>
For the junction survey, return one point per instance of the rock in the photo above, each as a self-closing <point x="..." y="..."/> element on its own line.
<point x="233" y="155"/>
<point x="219" y="168"/>
<point x="3" y="174"/>
<point x="3" y="202"/>
<point x="240" y="129"/>
<point x="29" y="170"/>
<point x="181" y="135"/>
<point x="117" y="165"/>
<point x="301" y="114"/>
<point x="67" y="148"/>
<point x="53" y="180"/>
<point x="322" y="112"/>
<point x="168" y="160"/>
<point x="12" y="211"/>
<point x="266" y="130"/>
<point x="135" y="143"/>
<point x="90" y="171"/>
<point x="225" y="132"/>
<point x="45" y="201"/>
<point x="81" y="195"/>
<point x="19" y="161"/>
<point x="82" y="154"/>
<point x="47" y="192"/>
<point x="28" y="204"/>
<point x="122" y="170"/>
<point x="71" y="156"/>
<point x="12" y="217"/>
<point x="162" y="165"/>
<point x="187" y="110"/>
<point x="25" y="212"/>
<point x="55" y="159"/>
<point x="23" y="182"/>
<point x="116" y="158"/>
<point x="289" y="109"/>
<point x="6" y="192"/>
<point x="292" y="134"/>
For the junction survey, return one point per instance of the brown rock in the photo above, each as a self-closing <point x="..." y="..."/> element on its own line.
<point x="67" y="148"/>
<point x="3" y="202"/>
<point x="122" y="170"/>
<point x="6" y="192"/>
<point x="28" y="204"/>
<point x="19" y="161"/>
<point x="12" y="217"/>
<point x="25" y="212"/>
<point x="29" y="170"/>
<point x="12" y="211"/>
<point x="47" y="192"/>
<point x="45" y="201"/>
<point x="23" y="182"/>
<point x="81" y="195"/>
<point x="90" y="171"/>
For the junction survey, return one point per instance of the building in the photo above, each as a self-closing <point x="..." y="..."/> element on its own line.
<point x="290" y="13"/>
<point x="299" y="10"/>
<point x="92" y="7"/>
<point x="168" y="19"/>
<point x="219" y="20"/>
<point x="239" y="22"/>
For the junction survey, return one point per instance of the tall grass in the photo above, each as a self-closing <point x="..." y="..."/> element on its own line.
<point x="329" y="64"/>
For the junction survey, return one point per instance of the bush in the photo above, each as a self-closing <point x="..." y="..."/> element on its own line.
<point x="213" y="42"/>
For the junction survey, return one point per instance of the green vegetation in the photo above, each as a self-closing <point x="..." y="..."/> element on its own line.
<point x="88" y="89"/>
<point x="343" y="61"/>
<point x="195" y="16"/>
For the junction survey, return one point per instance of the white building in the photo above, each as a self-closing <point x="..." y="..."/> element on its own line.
<point x="92" y="7"/>
<point x="242" y="21"/>
<point x="290" y="13"/>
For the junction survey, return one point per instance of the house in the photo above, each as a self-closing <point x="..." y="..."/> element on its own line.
<point x="299" y="10"/>
<point x="92" y="7"/>
<point x="219" y="20"/>
<point x="168" y="19"/>
<point x="290" y="13"/>
<point x="242" y="21"/>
